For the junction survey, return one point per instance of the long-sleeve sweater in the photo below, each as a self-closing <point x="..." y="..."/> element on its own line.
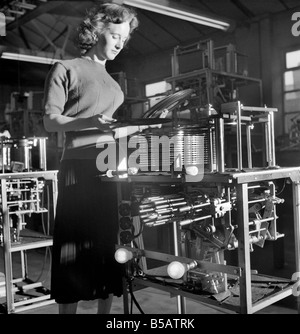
<point x="81" y="88"/>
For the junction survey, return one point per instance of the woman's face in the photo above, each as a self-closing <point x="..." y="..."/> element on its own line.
<point x="112" y="41"/>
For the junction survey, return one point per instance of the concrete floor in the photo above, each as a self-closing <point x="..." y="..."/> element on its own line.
<point x="153" y="301"/>
<point x="150" y="300"/>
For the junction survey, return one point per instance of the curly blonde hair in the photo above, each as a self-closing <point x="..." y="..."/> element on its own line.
<point x="98" y="18"/>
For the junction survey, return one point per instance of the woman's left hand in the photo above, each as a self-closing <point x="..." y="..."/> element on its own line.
<point x="103" y="122"/>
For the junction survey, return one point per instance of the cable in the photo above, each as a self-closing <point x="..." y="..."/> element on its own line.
<point x="282" y="189"/>
<point x="140" y="232"/>
<point x="133" y="299"/>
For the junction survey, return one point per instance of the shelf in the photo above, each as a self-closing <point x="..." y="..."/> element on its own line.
<point x="230" y="176"/>
<point x="203" y="72"/>
<point x="30" y="240"/>
<point x="47" y="175"/>
<point x="216" y="87"/>
<point x="264" y="296"/>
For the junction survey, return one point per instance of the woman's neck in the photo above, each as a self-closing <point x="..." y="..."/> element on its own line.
<point x="93" y="56"/>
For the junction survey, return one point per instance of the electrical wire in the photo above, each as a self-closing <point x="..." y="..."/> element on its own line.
<point x="133" y="299"/>
<point x="141" y="229"/>
<point x="282" y="189"/>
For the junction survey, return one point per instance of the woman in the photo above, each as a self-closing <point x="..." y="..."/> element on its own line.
<point x="80" y="96"/>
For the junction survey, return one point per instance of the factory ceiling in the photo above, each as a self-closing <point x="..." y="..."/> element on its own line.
<point x="46" y="28"/>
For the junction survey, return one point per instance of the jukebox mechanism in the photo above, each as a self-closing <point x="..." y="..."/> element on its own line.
<point x="172" y="145"/>
<point x="205" y="224"/>
<point x="205" y="198"/>
<point x="211" y="218"/>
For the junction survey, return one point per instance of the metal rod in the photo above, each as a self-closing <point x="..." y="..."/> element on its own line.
<point x="249" y="145"/>
<point x="7" y="253"/>
<point x="192" y="207"/>
<point x="2" y="150"/>
<point x="189" y="221"/>
<point x="181" y="301"/>
<point x="257" y="201"/>
<point x="244" y="249"/>
<point x="256" y="231"/>
<point x="220" y="144"/>
<point x="296" y="207"/>
<point x="272" y="140"/>
<point x="42" y="154"/>
<point x="268" y="141"/>
<point x="239" y="137"/>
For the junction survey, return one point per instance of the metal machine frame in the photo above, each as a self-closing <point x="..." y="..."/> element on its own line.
<point x="243" y="270"/>
<point x="235" y="186"/>
<point x="25" y="242"/>
<point x="23" y="193"/>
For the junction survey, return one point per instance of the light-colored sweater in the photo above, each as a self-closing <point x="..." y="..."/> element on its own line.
<point x="81" y="88"/>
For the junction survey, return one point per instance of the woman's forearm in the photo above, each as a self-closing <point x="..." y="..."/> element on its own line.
<point x="60" y="123"/>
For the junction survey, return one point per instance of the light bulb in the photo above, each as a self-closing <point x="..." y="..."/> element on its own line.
<point x="176" y="269"/>
<point x="122" y="255"/>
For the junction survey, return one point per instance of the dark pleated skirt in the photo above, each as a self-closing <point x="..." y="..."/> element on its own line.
<point x="85" y="235"/>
